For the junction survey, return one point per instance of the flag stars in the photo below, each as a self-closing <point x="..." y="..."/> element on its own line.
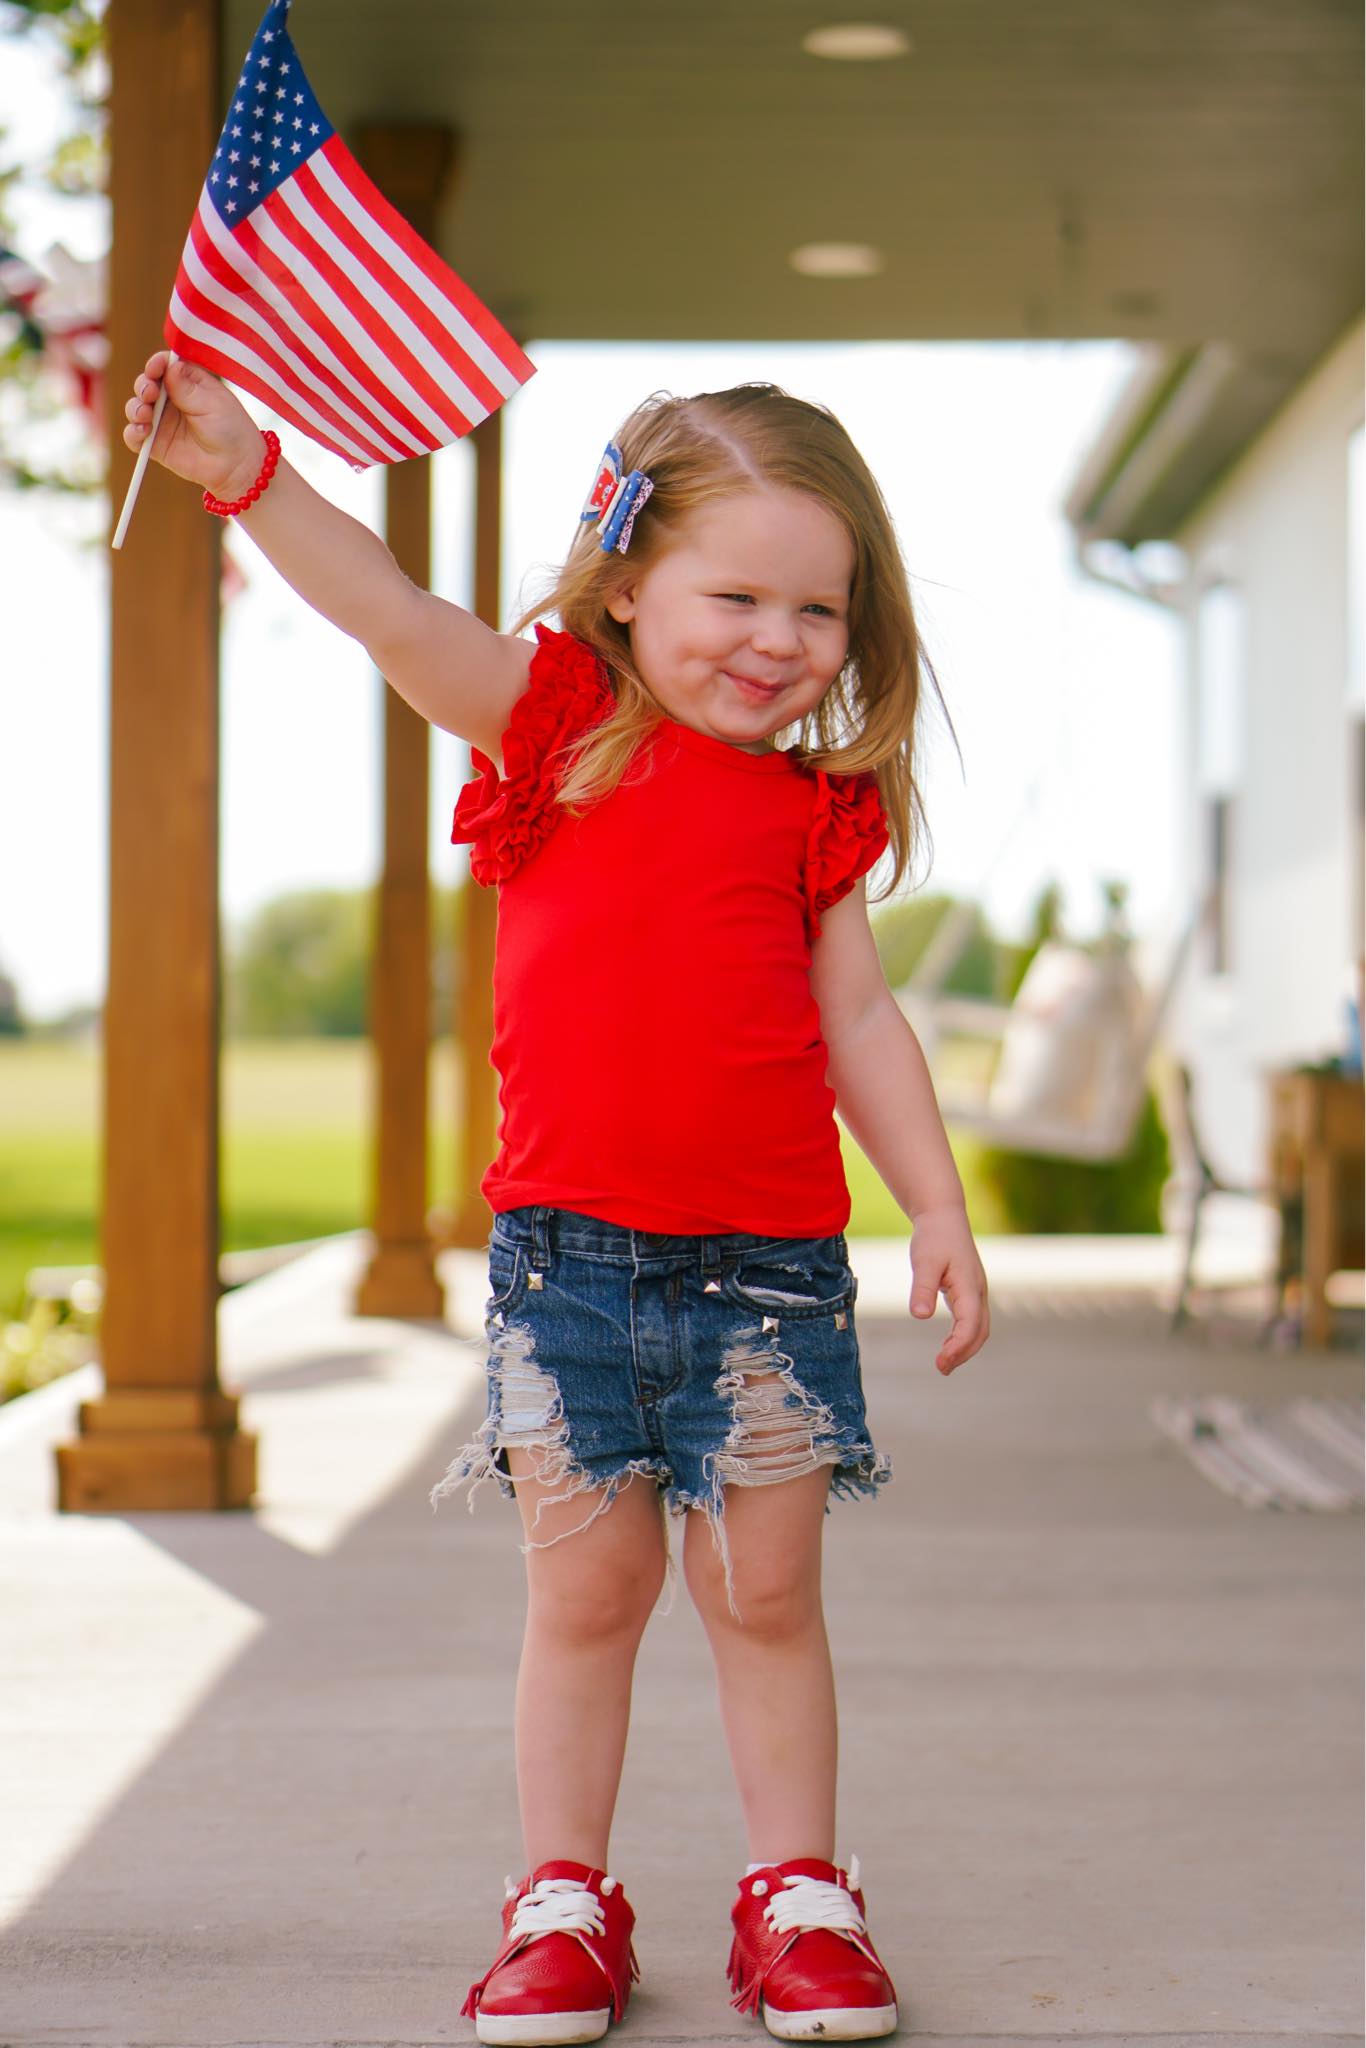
<point x="278" y="115"/>
<point x="256" y="161"/>
<point x="239" y="106"/>
<point x="229" y="206"/>
<point x="268" y="36"/>
<point x="274" y="168"/>
<point x="256" y="136"/>
<point x="237" y="131"/>
<point x="296" y="147"/>
<point x="253" y="186"/>
<point x="280" y="93"/>
<point x="296" y="122"/>
<point x="314" y="129"/>
<point x="298" y="99"/>
<point x="231" y="183"/>
<point x="233" y="155"/>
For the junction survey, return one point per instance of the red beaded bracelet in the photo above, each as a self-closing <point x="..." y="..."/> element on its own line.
<point x="225" y="510"/>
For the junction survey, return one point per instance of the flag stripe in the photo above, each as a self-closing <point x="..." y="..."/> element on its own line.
<point x="487" y="344"/>
<point x="316" y="308"/>
<point x="387" y="329"/>
<point x="273" y="291"/>
<point x="241" y="316"/>
<point x="278" y="236"/>
<point x="237" y="369"/>
<point x="201" y="320"/>
<point x="473" y="393"/>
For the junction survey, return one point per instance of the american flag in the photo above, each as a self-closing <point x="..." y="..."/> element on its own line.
<point x="300" y="283"/>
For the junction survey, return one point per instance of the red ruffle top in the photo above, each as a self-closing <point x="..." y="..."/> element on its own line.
<point x="658" y="1047"/>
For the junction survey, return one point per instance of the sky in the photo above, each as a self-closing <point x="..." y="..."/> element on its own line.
<point x="1064" y="694"/>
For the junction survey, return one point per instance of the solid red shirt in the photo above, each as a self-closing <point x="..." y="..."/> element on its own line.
<point x="658" y="1047"/>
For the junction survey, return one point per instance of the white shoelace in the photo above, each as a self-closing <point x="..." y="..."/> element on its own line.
<point x="815" y="1902"/>
<point x="559" y="1905"/>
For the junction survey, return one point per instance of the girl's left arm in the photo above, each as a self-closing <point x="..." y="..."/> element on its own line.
<point x="885" y="1095"/>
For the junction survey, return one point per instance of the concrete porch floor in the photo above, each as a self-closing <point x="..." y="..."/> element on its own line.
<point x="1100" y="1723"/>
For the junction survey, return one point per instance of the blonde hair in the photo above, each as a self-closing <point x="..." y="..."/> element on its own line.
<point x="697" y="450"/>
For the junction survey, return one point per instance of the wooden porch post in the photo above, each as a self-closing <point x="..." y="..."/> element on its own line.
<point x="411" y="165"/>
<point x="164" y="1434"/>
<point x="478" y="908"/>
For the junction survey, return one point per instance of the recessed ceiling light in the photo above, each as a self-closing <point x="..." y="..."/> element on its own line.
<point x="857" y="42"/>
<point x="837" y="259"/>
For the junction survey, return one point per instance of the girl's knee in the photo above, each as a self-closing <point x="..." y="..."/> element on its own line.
<point x="771" y="1598"/>
<point x="599" y="1604"/>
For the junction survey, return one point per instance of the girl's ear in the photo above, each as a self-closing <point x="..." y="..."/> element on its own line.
<point x="622" y="604"/>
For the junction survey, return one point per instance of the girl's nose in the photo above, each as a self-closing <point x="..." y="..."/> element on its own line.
<point x="775" y="633"/>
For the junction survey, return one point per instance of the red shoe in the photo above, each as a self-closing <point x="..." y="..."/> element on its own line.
<point x="565" y="1968"/>
<point x="802" y="1957"/>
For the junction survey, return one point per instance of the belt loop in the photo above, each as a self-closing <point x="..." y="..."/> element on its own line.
<point x="711" y="1258"/>
<point x="540" y="1237"/>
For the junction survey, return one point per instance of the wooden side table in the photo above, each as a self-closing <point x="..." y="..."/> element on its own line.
<point x="1317" y="1144"/>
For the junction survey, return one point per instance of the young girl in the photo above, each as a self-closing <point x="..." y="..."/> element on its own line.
<point x="686" y="986"/>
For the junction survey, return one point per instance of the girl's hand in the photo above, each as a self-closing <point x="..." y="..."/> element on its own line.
<point x="944" y="1258"/>
<point x="204" y="433"/>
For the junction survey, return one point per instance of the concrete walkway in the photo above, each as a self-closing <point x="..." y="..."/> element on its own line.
<point x="1100" y="1723"/>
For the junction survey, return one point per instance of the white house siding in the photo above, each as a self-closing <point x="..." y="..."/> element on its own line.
<point x="1276" y="529"/>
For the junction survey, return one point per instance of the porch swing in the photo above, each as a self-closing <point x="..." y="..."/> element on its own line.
<point x="1068" y="1075"/>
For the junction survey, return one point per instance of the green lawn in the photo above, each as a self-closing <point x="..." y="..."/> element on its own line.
<point x="295" y="1149"/>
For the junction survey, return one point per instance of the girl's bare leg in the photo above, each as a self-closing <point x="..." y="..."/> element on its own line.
<point x="773" y="1667"/>
<point x="588" y="1600"/>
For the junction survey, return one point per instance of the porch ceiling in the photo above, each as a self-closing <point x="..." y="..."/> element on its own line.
<point x="1173" y="170"/>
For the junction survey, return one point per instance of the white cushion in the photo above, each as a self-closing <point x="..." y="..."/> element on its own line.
<point x="1070" y="1042"/>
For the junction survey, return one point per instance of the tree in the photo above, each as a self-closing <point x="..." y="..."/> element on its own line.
<point x="76" y="169"/>
<point x="300" y="968"/>
<point x="903" y="929"/>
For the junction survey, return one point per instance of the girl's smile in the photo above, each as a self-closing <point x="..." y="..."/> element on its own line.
<point x="742" y="624"/>
<point x="755" y="693"/>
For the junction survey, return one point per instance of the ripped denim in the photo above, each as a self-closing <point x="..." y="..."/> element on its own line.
<point x="702" y="1362"/>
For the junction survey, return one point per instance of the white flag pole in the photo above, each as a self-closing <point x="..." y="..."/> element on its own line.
<point x="135" y="485"/>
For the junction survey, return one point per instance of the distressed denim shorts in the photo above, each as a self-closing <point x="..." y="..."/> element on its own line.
<point x="705" y="1362"/>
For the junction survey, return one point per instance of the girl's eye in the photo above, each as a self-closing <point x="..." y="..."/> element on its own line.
<point x="742" y="597"/>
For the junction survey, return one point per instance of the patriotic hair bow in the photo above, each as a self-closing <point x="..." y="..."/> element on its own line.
<point x="615" y="500"/>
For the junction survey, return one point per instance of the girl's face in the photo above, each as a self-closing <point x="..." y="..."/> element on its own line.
<point x="742" y="624"/>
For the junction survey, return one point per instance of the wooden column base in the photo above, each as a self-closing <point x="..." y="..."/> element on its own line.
<point x="157" y="1449"/>
<point x="401" y="1281"/>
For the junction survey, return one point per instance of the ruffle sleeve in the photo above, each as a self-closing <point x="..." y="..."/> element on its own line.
<point x="848" y="833"/>
<point x="504" y="818"/>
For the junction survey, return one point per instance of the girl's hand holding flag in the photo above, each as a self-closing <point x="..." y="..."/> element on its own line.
<point x="205" y="434"/>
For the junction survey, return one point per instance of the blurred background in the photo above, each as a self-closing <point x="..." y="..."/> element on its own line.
<point x="1084" y="287"/>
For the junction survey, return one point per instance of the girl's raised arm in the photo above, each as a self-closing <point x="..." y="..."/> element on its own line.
<point x="454" y="670"/>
